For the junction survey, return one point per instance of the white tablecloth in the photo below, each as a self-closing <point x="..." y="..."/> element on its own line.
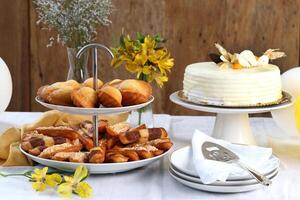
<point x="153" y="182"/>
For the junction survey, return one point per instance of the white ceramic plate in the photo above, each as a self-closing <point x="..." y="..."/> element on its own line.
<point x="93" y="111"/>
<point x="227" y="183"/>
<point x="182" y="160"/>
<point x="102" y="168"/>
<point x="219" y="188"/>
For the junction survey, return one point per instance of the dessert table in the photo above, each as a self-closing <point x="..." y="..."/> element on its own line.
<point x="154" y="181"/>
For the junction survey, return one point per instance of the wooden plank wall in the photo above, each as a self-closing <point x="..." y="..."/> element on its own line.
<point x="191" y="26"/>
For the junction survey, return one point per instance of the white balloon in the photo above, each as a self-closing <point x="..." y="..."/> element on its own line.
<point x="5" y="86"/>
<point x="285" y="118"/>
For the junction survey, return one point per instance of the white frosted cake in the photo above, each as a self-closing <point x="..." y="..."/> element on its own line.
<point x="207" y="82"/>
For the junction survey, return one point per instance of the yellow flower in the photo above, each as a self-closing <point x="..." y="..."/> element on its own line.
<point x="139" y="65"/>
<point x="38" y="178"/>
<point x="160" y="79"/>
<point x="41" y="179"/>
<point x="75" y="184"/>
<point x="144" y="57"/>
<point x="148" y="45"/>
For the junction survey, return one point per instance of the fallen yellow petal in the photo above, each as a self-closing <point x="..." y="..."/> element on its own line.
<point x="65" y="190"/>
<point x="53" y="180"/>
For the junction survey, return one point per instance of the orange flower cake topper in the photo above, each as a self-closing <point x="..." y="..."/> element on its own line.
<point x="245" y="59"/>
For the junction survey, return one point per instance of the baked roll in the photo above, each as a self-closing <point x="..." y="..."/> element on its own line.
<point x="110" y="96"/>
<point x="90" y="83"/>
<point x="135" y="92"/>
<point x="58" y="93"/>
<point x="85" y="97"/>
<point x="114" y="83"/>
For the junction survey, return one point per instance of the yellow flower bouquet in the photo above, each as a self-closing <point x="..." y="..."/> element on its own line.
<point x="145" y="56"/>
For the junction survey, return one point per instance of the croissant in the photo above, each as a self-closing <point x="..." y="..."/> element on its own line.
<point x="85" y="97"/>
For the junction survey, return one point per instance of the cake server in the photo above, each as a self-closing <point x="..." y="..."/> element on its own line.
<point x="213" y="151"/>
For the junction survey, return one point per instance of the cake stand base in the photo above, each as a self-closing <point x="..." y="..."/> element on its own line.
<point x="234" y="128"/>
<point x="232" y="124"/>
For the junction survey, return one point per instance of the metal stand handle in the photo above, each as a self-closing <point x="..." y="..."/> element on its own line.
<point x="94" y="47"/>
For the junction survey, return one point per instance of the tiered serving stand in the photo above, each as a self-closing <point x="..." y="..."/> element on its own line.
<point x="232" y="123"/>
<point x="101" y="168"/>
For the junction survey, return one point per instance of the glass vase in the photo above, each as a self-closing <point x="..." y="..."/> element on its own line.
<point x="77" y="66"/>
<point x="142" y="116"/>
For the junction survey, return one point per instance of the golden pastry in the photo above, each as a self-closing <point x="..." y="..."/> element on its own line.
<point x="110" y="96"/>
<point x="59" y="131"/>
<point x="42" y="140"/>
<point x="65" y="147"/>
<point x="135" y="92"/>
<point x="78" y="157"/>
<point x="114" y="83"/>
<point x="58" y="93"/>
<point x="142" y="135"/>
<point x="85" y="97"/>
<point x="90" y="83"/>
<point x="97" y="154"/>
<point x="115" y="157"/>
<point x="116" y="129"/>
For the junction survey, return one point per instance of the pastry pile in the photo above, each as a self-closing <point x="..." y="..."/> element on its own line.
<point x="117" y="143"/>
<point x="116" y="93"/>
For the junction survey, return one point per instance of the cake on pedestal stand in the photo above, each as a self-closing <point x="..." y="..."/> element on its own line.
<point x="232" y="123"/>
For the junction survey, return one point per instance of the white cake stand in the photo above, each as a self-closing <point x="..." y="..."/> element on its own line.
<point x="232" y="124"/>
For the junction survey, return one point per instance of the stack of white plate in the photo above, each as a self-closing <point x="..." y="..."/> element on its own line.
<point x="182" y="170"/>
